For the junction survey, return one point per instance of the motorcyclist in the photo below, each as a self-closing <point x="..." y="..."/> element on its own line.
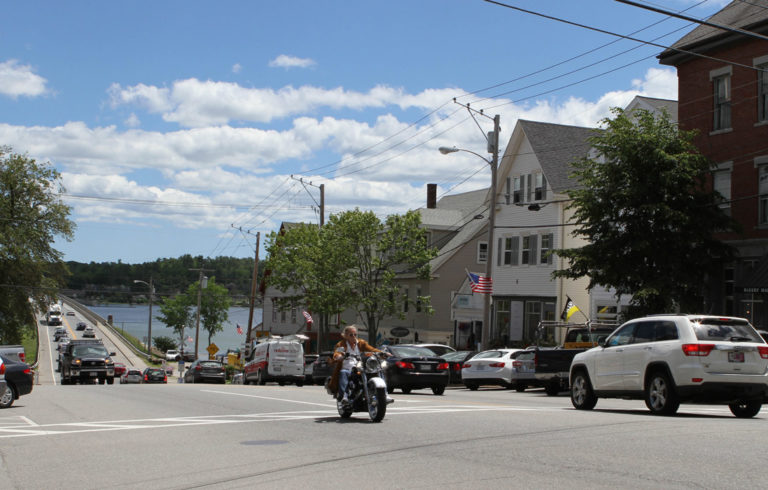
<point x="350" y="344"/>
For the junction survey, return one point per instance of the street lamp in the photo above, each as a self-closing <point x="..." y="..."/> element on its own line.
<point x="493" y="148"/>
<point x="149" y="328"/>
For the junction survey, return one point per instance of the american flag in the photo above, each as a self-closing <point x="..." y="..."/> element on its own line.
<point x="307" y="316"/>
<point x="480" y="284"/>
<point x="239" y="329"/>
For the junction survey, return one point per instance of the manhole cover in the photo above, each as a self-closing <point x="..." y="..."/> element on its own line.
<point x="267" y="442"/>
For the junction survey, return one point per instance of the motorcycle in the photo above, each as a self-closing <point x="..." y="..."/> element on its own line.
<point x="366" y="391"/>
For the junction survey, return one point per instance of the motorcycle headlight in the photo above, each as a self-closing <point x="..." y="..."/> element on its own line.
<point x="372" y="364"/>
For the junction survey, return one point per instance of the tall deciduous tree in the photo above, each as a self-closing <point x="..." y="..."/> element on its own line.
<point x="648" y="215"/>
<point x="214" y="306"/>
<point x="32" y="216"/>
<point x="175" y="313"/>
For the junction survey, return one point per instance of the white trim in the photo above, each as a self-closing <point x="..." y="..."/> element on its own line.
<point x="719" y="72"/>
<point x="760" y="60"/>
<point x="724" y="166"/>
<point x="761" y="160"/>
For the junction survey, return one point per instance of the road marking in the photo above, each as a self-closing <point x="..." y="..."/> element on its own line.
<point x="269" y="398"/>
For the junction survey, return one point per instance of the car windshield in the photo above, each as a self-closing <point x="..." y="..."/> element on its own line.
<point x="455" y="356"/>
<point x="490" y="354"/>
<point x="523" y="355"/>
<point x="411" y="351"/>
<point x="89" y="350"/>
<point x="213" y="364"/>
<point x="729" y="329"/>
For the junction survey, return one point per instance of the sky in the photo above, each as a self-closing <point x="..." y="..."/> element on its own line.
<point x="189" y="127"/>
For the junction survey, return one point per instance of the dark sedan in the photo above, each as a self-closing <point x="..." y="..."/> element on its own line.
<point x="206" y="371"/>
<point x="154" y="375"/>
<point x="414" y="368"/>
<point x="322" y="367"/>
<point x="19" y="380"/>
<point x="456" y="361"/>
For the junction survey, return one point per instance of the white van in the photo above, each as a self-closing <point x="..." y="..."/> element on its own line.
<point x="276" y="359"/>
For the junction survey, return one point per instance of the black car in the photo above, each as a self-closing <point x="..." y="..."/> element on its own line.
<point x="309" y="366"/>
<point x="59" y="333"/>
<point x="206" y="371"/>
<point x="456" y="361"/>
<point x="19" y="381"/>
<point x="154" y="375"/>
<point x="414" y="368"/>
<point x="322" y="368"/>
<point x="81" y="326"/>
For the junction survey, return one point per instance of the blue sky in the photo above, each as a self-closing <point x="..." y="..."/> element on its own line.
<point x="177" y="125"/>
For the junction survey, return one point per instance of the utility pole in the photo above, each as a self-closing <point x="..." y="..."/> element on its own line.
<point x="199" y="298"/>
<point x="493" y="148"/>
<point x="321" y="204"/>
<point x="253" y="295"/>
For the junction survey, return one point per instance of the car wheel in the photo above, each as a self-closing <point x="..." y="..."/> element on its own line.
<point x="260" y="378"/>
<point x="582" y="396"/>
<point x="6" y="400"/>
<point x="299" y="383"/>
<point x="520" y="387"/>
<point x="406" y="389"/>
<point x="111" y="381"/>
<point x="472" y="386"/>
<point x="660" y="395"/>
<point x="438" y="390"/>
<point x="746" y="409"/>
<point x="552" y="389"/>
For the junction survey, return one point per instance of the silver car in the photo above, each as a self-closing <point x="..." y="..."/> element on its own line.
<point x="131" y="376"/>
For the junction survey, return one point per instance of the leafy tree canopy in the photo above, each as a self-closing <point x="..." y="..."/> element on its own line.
<point x="647" y="213"/>
<point x="32" y="216"/>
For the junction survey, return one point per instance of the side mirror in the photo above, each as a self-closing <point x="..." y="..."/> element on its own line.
<point x="601" y="340"/>
<point x="112" y="354"/>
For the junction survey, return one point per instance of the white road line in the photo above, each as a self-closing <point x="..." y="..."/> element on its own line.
<point x="269" y="398"/>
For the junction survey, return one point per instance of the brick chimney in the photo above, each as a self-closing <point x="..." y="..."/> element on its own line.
<point x="431" y="196"/>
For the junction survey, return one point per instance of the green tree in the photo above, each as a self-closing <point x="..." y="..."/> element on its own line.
<point x="214" y="305"/>
<point x="175" y="313"/>
<point x="645" y="209"/>
<point x="164" y="344"/>
<point x="32" y="216"/>
<point x="371" y="254"/>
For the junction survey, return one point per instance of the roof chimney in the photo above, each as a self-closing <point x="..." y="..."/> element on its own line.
<point x="431" y="196"/>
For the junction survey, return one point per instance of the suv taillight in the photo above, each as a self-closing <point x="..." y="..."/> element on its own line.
<point x="701" y="350"/>
<point x="763" y="350"/>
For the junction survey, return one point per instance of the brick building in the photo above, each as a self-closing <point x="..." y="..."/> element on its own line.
<point x="723" y="93"/>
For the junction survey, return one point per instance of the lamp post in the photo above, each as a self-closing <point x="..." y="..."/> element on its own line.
<point x="149" y="328"/>
<point x="493" y="148"/>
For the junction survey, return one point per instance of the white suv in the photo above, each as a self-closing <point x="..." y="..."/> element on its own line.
<point x="669" y="359"/>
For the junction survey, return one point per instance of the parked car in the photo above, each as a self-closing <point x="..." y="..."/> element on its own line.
<point x="490" y="367"/>
<point x="322" y="368"/>
<point x="237" y="379"/>
<point x="154" y="375"/>
<point x="81" y="326"/>
<point x="19" y="380"/>
<point x="206" y="370"/>
<point x="413" y="367"/>
<point x="131" y="376"/>
<point x="456" y="361"/>
<point x="172" y="355"/>
<point x="120" y="369"/>
<point x="59" y="333"/>
<point x="672" y="359"/>
<point x="309" y="366"/>
<point x="70" y="313"/>
<point x="89" y="333"/>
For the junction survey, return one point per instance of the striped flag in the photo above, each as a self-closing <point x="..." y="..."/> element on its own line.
<point x="480" y="284"/>
<point x="307" y="316"/>
<point x="569" y="310"/>
<point x="239" y="329"/>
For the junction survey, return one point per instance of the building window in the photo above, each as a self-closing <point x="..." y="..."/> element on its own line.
<point x="293" y="315"/>
<point x="282" y="316"/>
<point x="763" y="192"/>
<point x="482" y="252"/>
<point x="517" y="190"/>
<point x="546" y="247"/>
<point x="761" y="66"/>
<point x="721" y="182"/>
<point x="418" y="298"/>
<point x="529" y="250"/>
<point x="511" y="245"/>
<point x="540" y="192"/>
<point x="274" y="311"/>
<point x="721" y="84"/>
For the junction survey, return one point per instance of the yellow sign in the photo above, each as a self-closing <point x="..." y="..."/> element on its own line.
<point x="212" y="349"/>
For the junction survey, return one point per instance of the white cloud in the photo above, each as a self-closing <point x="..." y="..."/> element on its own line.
<point x="286" y="61"/>
<point x="16" y="80"/>
<point x="132" y="121"/>
<point x="236" y="68"/>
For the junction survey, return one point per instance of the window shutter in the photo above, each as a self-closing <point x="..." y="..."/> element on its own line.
<point x="499" y="253"/>
<point x="551" y="246"/>
<point x="528" y="188"/>
<point x="534" y="255"/>
<point x="515" y="249"/>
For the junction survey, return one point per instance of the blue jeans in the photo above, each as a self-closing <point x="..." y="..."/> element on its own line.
<point x="344" y="381"/>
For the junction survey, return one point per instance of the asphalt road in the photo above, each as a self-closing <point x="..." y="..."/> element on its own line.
<point x="180" y="436"/>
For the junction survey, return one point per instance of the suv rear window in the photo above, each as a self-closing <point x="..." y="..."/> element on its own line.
<point x="725" y="329"/>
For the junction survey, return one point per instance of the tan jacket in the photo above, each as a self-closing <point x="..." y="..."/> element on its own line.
<point x="342" y="344"/>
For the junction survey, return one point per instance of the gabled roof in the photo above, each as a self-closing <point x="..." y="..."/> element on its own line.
<point x="653" y="105"/>
<point x="748" y="16"/>
<point x="557" y="146"/>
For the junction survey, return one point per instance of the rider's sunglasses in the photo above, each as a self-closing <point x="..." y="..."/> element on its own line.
<point x="354" y="334"/>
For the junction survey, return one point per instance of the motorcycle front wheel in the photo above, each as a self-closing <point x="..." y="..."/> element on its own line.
<point x="377" y="406"/>
<point x="345" y="409"/>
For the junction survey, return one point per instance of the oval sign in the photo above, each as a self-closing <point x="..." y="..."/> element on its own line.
<point x="399" y="332"/>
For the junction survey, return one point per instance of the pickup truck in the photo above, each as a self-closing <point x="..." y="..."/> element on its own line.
<point x="87" y="361"/>
<point x="553" y="365"/>
<point x="13" y="352"/>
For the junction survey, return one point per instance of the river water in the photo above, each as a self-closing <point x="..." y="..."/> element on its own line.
<point x="133" y="319"/>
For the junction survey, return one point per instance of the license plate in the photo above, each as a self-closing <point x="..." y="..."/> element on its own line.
<point x="93" y="375"/>
<point x="735" y="357"/>
<point x="480" y="367"/>
<point x="424" y="367"/>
